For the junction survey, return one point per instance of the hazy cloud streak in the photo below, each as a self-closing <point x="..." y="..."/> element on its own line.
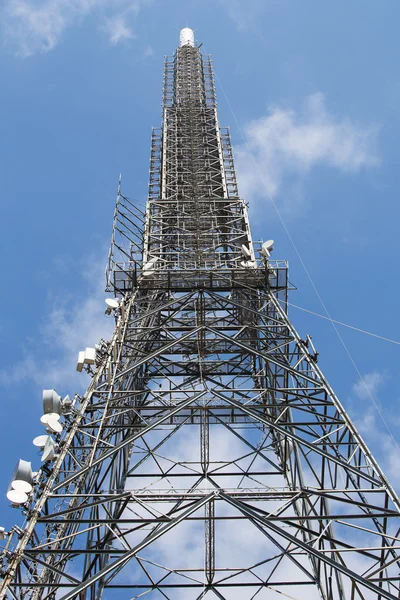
<point x="285" y="145"/>
<point x="33" y="27"/>
<point x="73" y="323"/>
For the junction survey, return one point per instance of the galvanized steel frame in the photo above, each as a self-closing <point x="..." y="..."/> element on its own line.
<point x="203" y="340"/>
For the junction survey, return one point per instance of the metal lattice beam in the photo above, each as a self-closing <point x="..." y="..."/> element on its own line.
<point x="207" y="421"/>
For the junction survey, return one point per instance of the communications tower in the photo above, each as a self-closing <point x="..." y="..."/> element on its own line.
<point x="209" y="456"/>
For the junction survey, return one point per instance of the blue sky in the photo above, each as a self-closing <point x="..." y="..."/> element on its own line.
<point x="311" y="92"/>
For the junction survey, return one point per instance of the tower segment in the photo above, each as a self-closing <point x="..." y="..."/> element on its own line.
<point x="209" y="457"/>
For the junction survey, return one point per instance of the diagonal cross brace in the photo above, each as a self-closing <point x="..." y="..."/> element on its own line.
<point x="266" y="356"/>
<point x="120" y="562"/>
<point x="161" y="350"/>
<point x="335" y="565"/>
<point x="130" y="439"/>
<point x="297" y="438"/>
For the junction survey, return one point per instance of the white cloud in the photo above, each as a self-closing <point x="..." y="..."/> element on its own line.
<point x="72" y="324"/>
<point x="382" y="442"/>
<point x="148" y="51"/>
<point x="118" y="29"/>
<point x="285" y="145"/>
<point x="377" y="427"/>
<point x="33" y="27"/>
<point x="243" y="14"/>
<point x="368" y="385"/>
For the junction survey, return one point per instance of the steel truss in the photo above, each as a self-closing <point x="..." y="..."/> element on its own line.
<point x="207" y="422"/>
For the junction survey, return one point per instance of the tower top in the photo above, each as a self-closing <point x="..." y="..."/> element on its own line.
<point x="186" y="37"/>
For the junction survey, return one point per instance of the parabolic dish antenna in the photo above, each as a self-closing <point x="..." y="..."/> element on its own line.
<point x="40" y="441"/>
<point x="245" y="251"/>
<point x="54" y="425"/>
<point x="49" y="452"/>
<point x="267" y="247"/>
<point x="19" y="485"/>
<point x="150" y="264"/>
<point x="269" y="244"/>
<point x="17" y="497"/>
<point x="112" y="302"/>
<point x="44" y="419"/>
<point x="248" y="264"/>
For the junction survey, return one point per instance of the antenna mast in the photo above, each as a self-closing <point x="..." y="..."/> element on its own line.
<point x="209" y="455"/>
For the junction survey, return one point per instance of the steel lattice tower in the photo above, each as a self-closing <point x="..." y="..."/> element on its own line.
<point x="209" y="456"/>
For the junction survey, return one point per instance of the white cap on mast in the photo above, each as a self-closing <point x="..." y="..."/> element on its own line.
<point x="186" y="37"/>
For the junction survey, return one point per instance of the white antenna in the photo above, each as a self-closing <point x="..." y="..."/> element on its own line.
<point x="90" y="356"/>
<point x="150" y="264"/>
<point x="51" y="403"/>
<point x="148" y="268"/>
<point x="54" y="426"/>
<point x="40" y="441"/>
<point x="248" y="264"/>
<point x="186" y="37"/>
<point x="66" y="403"/>
<point x="49" y="452"/>
<point x="21" y="483"/>
<point x="86" y="357"/>
<point x="81" y="360"/>
<point x="112" y="303"/>
<point x="267" y="248"/>
<point x="22" y="479"/>
<point x="16" y="497"/>
<point x="245" y="251"/>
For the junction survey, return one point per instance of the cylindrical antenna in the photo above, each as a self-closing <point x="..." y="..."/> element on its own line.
<point x="186" y="37"/>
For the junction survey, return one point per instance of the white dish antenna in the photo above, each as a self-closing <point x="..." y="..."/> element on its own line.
<point x="267" y="248"/>
<point x="22" y="478"/>
<point x="112" y="303"/>
<point x="245" y="251"/>
<point x="49" y="452"/>
<point x="150" y="264"/>
<point x="54" y="425"/>
<point x="40" y="441"/>
<point x="248" y="264"/>
<point x="22" y="486"/>
<point x="17" y="497"/>
<point x="44" y="419"/>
